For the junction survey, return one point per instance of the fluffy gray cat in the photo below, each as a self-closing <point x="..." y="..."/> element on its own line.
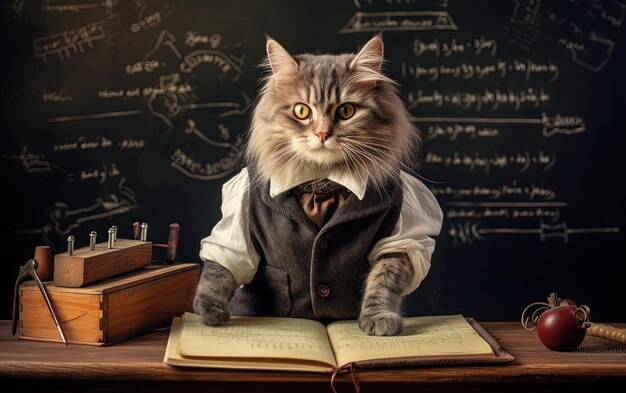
<point x="323" y="223"/>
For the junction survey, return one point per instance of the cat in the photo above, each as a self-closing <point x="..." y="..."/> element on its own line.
<point x="324" y="222"/>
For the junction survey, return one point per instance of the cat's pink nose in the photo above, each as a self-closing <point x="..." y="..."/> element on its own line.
<point x="322" y="135"/>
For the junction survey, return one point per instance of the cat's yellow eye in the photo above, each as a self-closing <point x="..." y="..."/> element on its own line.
<point x="346" y="111"/>
<point x="301" y="111"/>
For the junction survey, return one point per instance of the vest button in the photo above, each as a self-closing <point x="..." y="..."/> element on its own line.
<point x="323" y="290"/>
<point x="324" y="244"/>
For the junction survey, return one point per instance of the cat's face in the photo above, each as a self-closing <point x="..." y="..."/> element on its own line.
<point x="328" y="113"/>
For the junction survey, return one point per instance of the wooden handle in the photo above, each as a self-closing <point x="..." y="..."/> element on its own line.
<point x="136" y="230"/>
<point x="608" y="332"/>
<point x="172" y="242"/>
<point x="43" y="256"/>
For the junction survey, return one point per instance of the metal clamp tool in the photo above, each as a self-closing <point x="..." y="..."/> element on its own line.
<point x="30" y="269"/>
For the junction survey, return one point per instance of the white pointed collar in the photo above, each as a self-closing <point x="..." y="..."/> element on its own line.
<point x="282" y="182"/>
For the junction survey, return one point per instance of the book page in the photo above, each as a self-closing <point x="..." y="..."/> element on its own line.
<point x="256" y="337"/>
<point x="421" y="336"/>
<point x="173" y="358"/>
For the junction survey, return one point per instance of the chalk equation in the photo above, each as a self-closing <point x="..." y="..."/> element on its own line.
<point x="486" y="99"/>
<point x="550" y="211"/>
<point x="556" y="124"/>
<point x="526" y="68"/>
<point x="486" y="163"/>
<point x="529" y="191"/>
<point x="447" y="48"/>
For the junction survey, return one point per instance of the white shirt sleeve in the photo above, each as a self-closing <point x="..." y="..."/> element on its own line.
<point x="229" y="243"/>
<point x="420" y="218"/>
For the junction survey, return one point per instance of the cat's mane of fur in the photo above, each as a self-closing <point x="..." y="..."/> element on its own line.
<point x="376" y="148"/>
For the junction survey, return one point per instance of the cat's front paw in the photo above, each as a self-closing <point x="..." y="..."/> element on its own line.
<point x="210" y="311"/>
<point x="381" y="323"/>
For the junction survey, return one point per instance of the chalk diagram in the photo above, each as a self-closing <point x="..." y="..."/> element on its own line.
<point x="63" y="218"/>
<point x="534" y="22"/>
<point x="174" y="96"/>
<point x="67" y="43"/>
<point x="224" y="133"/>
<point x="469" y="232"/>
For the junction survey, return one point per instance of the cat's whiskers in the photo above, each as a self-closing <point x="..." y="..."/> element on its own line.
<point x="372" y="156"/>
<point x="357" y="159"/>
<point x="379" y="170"/>
<point x="375" y="148"/>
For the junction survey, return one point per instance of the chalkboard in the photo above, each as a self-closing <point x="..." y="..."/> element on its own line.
<point x="121" y="111"/>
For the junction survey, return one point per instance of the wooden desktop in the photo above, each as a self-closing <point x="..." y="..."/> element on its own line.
<point x="136" y="365"/>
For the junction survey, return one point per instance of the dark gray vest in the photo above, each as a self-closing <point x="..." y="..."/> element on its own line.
<point x="307" y="272"/>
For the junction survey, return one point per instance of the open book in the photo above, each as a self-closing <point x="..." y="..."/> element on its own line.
<point x="265" y="343"/>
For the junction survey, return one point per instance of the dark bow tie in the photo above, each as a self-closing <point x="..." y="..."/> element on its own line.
<point x="322" y="186"/>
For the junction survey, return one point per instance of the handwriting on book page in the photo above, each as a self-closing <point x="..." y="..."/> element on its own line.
<point x="286" y="338"/>
<point x="420" y="336"/>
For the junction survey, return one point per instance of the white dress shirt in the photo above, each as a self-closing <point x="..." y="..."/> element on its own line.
<point x="420" y="218"/>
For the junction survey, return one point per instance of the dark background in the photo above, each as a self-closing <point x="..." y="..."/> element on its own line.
<point x="106" y="120"/>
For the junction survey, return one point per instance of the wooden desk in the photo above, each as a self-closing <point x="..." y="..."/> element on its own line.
<point x="137" y="365"/>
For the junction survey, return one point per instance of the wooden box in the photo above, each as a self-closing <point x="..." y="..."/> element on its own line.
<point x="86" y="266"/>
<point x="111" y="310"/>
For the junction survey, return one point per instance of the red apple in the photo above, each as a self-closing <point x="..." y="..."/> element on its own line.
<point x="560" y="329"/>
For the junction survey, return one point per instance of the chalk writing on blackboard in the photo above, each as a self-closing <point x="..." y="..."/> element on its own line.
<point x="90" y="116"/>
<point x="55" y="96"/>
<point x="530" y="191"/>
<point x="192" y="38"/>
<point x="486" y="163"/>
<point x="454" y="130"/>
<point x="487" y="99"/>
<point x="585" y="29"/>
<point x="228" y="69"/>
<point x="527" y="68"/>
<point x="470" y="232"/>
<point x="84" y="143"/>
<point x="62" y="218"/>
<point x="68" y="42"/>
<point x="100" y="174"/>
<point x="399" y="21"/>
<point x="165" y="39"/>
<point x="147" y="19"/>
<point x="192" y="129"/>
<point x="31" y="162"/>
<point x="194" y="169"/>
<point x="454" y="46"/>
<point x="73" y="8"/>
<point x="224" y="108"/>
<point x="552" y="125"/>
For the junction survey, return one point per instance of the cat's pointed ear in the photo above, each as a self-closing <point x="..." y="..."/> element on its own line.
<point x="280" y="60"/>
<point x="370" y="56"/>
